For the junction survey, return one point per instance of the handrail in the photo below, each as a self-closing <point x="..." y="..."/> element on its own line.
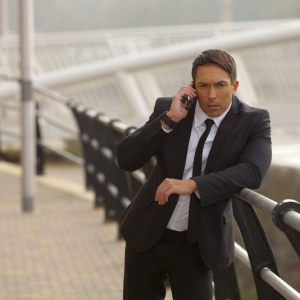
<point x="10" y="106"/>
<point x="267" y="205"/>
<point x="11" y="133"/>
<point x="279" y="285"/>
<point x="51" y="94"/>
<point x="292" y="219"/>
<point x="69" y="156"/>
<point x="57" y="123"/>
<point x="268" y="276"/>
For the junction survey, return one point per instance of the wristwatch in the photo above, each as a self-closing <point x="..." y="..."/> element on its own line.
<point x="167" y="120"/>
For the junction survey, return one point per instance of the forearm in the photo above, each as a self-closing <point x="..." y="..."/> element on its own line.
<point x="138" y="148"/>
<point x="218" y="186"/>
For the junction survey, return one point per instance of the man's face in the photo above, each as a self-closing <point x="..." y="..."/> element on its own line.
<point x="214" y="89"/>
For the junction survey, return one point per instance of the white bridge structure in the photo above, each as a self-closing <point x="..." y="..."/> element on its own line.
<point x="122" y="72"/>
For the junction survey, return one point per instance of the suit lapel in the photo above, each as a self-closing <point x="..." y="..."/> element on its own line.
<point x="184" y="133"/>
<point x="222" y="133"/>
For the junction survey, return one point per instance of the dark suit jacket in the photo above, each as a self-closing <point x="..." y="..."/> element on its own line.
<point x="239" y="158"/>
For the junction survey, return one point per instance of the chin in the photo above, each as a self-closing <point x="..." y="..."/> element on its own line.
<point x="213" y="114"/>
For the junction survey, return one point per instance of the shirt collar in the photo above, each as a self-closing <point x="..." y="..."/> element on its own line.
<point x="200" y="116"/>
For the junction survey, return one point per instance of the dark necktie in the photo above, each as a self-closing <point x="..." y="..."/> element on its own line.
<point x="192" y="233"/>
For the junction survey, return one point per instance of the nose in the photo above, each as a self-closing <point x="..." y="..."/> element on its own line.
<point x="211" y="93"/>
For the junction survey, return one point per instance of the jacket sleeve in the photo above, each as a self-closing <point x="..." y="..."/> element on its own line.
<point x="249" y="171"/>
<point x="137" y="149"/>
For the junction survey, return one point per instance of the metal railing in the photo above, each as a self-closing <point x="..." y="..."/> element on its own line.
<point x="40" y="142"/>
<point x="285" y="216"/>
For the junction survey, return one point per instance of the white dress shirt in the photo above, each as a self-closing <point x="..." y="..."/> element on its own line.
<point x="180" y="216"/>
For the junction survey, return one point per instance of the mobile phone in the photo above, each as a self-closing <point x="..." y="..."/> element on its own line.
<point x="187" y="102"/>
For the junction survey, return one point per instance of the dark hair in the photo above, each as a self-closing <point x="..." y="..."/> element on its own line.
<point x="216" y="57"/>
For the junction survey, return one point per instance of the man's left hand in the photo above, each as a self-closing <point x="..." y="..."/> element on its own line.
<point x="174" y="186"/>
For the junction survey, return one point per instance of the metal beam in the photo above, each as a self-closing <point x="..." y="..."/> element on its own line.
<point x="170" y="54"/>
<point x="132" y="94"/>
<point x="234" y="42"/>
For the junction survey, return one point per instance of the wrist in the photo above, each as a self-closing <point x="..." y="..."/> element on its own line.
<point x="193" y="185"/>
<point x="173" y="117"/>
<point x="165" y="126"/>
<point x="166" y="121"/>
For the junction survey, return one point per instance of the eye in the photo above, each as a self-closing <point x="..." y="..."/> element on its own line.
<point x="220" y="84"/>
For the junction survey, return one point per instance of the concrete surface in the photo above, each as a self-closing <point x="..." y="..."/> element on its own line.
<point x="63" y="250"/>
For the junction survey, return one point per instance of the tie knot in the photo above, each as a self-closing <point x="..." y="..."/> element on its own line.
<point x="209" y="123"/>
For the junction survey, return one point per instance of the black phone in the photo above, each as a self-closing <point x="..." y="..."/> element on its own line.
<point x="187" y="102"/>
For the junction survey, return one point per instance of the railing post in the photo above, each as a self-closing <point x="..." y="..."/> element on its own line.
<point x="255" y="238"/>
<point x="278" y="219"/>
<point x="1" y="157"/>
<point x="40" y="157"/>
<point x="78" y="112"/>
<point x="28" y="106"/>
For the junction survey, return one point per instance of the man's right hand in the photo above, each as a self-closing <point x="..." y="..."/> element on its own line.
<point x="177" y="110"/>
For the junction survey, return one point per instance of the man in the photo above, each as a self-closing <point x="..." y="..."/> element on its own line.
<point x="179" y="225"/>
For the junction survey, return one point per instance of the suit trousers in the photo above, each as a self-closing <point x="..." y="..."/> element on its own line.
<point x="173" y="258"/>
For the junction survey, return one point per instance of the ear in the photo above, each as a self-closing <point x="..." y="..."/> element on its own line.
<point x="235" y="87"/>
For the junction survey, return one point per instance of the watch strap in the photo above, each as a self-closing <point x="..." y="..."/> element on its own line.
<point x="167" y="120"/>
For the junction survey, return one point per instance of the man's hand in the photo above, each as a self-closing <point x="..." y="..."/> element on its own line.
<point x="174" y="186"/>
<point x="177" y="110"/>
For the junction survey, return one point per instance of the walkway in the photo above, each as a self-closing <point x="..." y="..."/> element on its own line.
<point x="62" y="251"/>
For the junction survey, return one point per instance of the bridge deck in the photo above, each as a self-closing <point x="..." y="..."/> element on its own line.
<point x="61" y="251"/>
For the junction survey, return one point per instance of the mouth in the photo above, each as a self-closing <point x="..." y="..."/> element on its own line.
<point x="212" y="106"/>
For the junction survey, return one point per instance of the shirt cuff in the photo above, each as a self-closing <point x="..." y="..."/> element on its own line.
<point x="197" y="194"/>
<point x="165" y="130"/>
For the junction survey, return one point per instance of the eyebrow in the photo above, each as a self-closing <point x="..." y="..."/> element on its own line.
<point x="221" y="81"/>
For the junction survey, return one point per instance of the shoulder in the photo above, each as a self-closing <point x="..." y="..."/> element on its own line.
<point x="163" y="103"/>
<point x="245" y="110"/>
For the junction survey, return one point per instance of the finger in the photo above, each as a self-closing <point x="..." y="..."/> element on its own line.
<point x="162" y="193"/>
<point x="192" y="84"/>
<point x="163" y="198"/>
<point x="169" y="189"/>
<point x="190" y="91"/>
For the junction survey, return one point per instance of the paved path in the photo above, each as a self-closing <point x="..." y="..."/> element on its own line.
<point x="63" y="250"/>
